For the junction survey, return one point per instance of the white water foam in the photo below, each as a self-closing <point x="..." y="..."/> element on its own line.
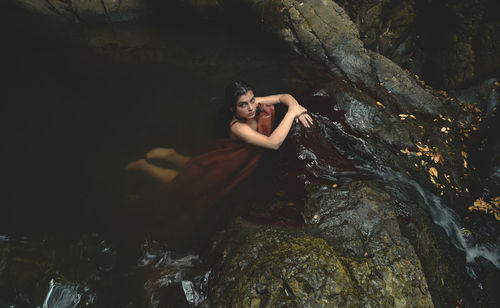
<point x="447" y="219"/>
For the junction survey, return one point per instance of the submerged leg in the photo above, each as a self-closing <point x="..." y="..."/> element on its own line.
<point x="161" y="174"/>
<point x="169" y="155"/>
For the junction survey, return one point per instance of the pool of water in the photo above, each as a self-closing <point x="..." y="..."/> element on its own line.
<point x="82" y="102"/>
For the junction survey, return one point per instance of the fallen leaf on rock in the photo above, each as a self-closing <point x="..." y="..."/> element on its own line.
<point x="447" y="177"/>
<point x="464" y="154"/>
<point x="437" y="157"/>
<point x="496" y="201"/>
<point x="445" y="130"/>
<point x="380" y="104"/>
<point x="412" y="116"/>
<point x="335" y="185"/>
<point x="419" y="153"/>
<point x="422" y="147"/>
<point x="465" y="164"/>
<point x="405" y="151"/>
<point x="443" y="93"/>
<point x="433" y="172"/>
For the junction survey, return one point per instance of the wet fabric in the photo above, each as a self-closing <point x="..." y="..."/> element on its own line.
<point x="208" y="177"/>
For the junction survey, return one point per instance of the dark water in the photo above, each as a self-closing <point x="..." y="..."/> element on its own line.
<point x="78" y="104"/>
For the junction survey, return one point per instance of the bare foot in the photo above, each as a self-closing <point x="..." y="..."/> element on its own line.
<point x="136" y="165"/>
<point x="161" y="153"/>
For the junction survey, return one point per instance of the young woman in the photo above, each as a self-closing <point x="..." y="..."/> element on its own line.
<point x="240" y="117"/>
<point x="198" y="182"/>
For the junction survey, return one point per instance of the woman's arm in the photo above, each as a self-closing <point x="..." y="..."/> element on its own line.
<point x="273" y="141"/>
<point x="287" y="100"/>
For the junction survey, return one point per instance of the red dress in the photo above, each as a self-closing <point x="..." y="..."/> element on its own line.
<point x="208" y="177"/>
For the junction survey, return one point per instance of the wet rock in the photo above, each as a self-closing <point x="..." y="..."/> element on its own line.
<point x="386" y="27"/>
<point x="273" y="267"/>
<point x="359" y="218"/>
<point x="459" y="38"/>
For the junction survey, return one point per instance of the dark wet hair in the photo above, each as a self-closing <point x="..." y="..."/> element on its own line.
<point x="233" y="90"/>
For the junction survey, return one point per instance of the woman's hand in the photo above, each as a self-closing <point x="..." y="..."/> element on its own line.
<point x="305" y="119"/>
<point x="296" y="110"/>
<point x="300" y="114"/>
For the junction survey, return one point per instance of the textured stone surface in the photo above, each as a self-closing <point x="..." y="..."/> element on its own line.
<point x="280" y="268"/>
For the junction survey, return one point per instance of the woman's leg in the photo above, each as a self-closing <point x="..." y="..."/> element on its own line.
<point x="169" y="155"/>
<point x="161" y="174"/>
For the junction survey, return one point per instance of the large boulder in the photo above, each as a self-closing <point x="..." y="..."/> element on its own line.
<point x="271" y="267"/>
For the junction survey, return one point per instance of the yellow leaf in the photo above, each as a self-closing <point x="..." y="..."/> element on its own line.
<point x="335" y="185"/>
<point x="447" y="177"/>
<point x="445" y="130"/>
<point x="422" y="148"/>
<point x="412" y="116"/>
<point x="464" y="154"/>
<point x="380" y="104"/>
<point x="465" y="163"/>
<point x="433" y="172"/>
<point x="419" y="153"/>
<point x="402" y="115"/>
<point x="405" y="151"/>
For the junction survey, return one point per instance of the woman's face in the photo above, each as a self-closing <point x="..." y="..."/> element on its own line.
<point x="246" y="106"/>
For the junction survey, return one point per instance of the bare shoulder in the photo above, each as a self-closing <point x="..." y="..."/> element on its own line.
<point x="240" y="127"/>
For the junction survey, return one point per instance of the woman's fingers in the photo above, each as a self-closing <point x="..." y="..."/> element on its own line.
<point x="303" y="119"/>
<point x="309" y="119"/>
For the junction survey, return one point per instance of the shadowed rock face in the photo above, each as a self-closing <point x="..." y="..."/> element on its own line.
<point x="452" y="43"/>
